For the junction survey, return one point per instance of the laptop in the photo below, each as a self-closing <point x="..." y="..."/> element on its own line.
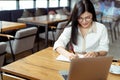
<point x="88" y="69"/>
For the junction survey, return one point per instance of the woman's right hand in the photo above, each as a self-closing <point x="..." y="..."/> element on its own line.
<point x="73" y="56"/>
<point x="69" y="54"/>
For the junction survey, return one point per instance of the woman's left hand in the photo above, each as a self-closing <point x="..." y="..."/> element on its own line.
<point x="90" y="54"/>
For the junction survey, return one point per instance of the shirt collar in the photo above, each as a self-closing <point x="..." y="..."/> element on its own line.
<point x="93" y="28"/>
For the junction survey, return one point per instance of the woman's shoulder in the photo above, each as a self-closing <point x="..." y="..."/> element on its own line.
<point x="68" y="27"/>
<point x="99" y="25"/>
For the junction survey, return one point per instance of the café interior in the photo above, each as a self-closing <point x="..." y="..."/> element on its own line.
<point x="27" y="29"/>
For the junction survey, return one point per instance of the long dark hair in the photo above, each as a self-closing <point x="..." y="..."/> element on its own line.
<point x="79" y="8"/>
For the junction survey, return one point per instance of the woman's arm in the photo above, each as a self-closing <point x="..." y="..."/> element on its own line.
<point x="101" y="53"/>
<point x="103" y="47"/>
<point x="66" y="53"/>
<point x="95" y="54"/>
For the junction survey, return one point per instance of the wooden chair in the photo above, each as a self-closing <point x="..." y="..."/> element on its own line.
<point x="2" y="52"/>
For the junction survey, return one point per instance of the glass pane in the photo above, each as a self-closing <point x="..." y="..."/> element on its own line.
<point x="4" y="5"/>
<point x="26" y="4"/>
<point x="41" y="3"/>
<point x="53" y="3"/>
<point x="63" y="3"/>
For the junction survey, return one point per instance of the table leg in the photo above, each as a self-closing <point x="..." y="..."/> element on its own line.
<point x="117" y="29"/>
<point x="114" y="28"/>
<point x="111" y="31"/>
<point x="115" y="33"/>
<point x="37" y="37"/>
<point x="46" y="36"/>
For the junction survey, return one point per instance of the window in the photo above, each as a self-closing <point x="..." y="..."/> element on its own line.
<point x="41" y="3"/>
<point x="53" y="3"/>
<point x="63" y="3"/>
<point x="4" y="5"/>
<point x="24" y="4"/>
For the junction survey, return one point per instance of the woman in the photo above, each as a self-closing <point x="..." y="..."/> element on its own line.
<point x="86" y="36"/>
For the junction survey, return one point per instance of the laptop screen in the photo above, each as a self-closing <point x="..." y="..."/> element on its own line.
<point x="88" y="69"/>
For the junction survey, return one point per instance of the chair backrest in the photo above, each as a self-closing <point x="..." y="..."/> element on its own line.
<point x="2" y="51"/>
<point x="2" y="47"/>
<point x="60" y="28"/>
<point x="24" y="39"/>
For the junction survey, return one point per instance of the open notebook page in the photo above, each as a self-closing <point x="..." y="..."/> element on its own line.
<point x="63" y="58"/>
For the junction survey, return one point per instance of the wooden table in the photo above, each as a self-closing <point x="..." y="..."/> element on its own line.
<point x="41" y="65"/>
<point x="45" y="20"/>
<point x="7" y="26"/>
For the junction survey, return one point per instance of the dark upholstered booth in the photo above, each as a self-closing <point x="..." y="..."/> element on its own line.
<point x="13" y="15"/>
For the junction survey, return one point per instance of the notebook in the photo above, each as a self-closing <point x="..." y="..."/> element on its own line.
<point x="63" y="58"/>
<point x="88" y="69"/>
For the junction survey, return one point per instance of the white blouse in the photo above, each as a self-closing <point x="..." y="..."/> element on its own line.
<point x="95" y="40"/>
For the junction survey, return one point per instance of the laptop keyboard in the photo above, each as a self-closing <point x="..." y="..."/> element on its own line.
<point x="65" y="77"/>
<point x="64" y="74"/>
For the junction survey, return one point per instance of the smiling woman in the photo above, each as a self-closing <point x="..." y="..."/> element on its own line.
<point x="87" y="36"/>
